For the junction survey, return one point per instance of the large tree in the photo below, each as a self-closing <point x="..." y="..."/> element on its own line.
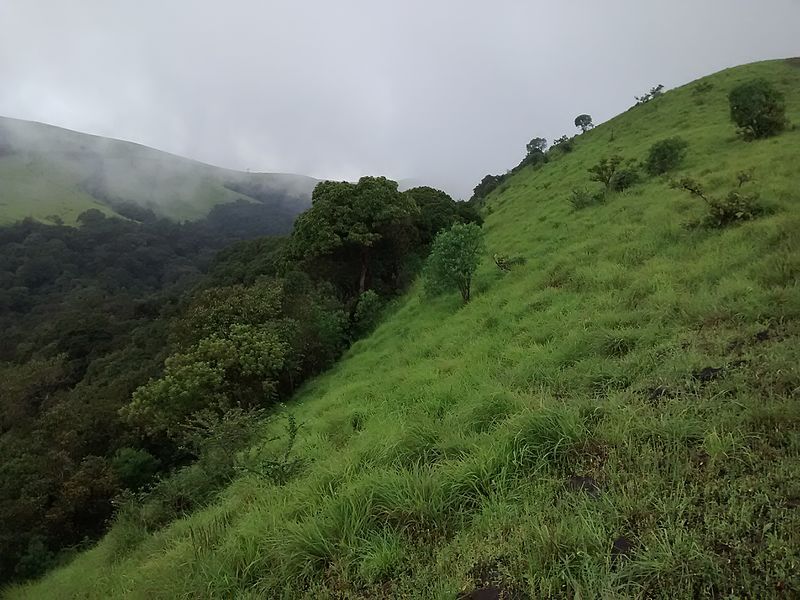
<point x="351" y="217"/>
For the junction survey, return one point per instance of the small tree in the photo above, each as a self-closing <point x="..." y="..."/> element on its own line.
<point x="665" y="155"/>
<point x="605" y="169"/>
<point x="584" y="122"/>
<point x="454" y="258"/>
<point x="758" y="108"/>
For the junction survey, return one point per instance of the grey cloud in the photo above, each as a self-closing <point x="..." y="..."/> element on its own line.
<point x="441" y="92"/>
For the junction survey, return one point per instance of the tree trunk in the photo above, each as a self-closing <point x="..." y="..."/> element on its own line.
<point x="362" y="282"/>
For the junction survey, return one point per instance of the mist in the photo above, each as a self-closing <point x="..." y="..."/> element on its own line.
<point x="436" y="93"/>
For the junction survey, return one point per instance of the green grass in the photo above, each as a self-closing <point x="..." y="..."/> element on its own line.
<point x="47" y="171"/>
<point x="438" y="452"/>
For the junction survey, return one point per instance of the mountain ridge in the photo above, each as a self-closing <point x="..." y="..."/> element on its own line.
<point x="50" y="172"/>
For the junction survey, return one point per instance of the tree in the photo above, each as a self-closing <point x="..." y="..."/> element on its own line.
<point x="605" y="169"/>
<point x="536" y="146"/>
<point x="584" y="122"/>
<point x="351" y="216"/>
<point x="665" y="155"/>
<point x="758" y="108"/>
<point x="454" y="258"/>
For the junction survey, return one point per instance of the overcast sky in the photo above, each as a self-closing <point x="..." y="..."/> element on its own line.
<point x="439" y="91"/>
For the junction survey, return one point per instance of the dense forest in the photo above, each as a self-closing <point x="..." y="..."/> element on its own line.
<point x="126" y="339"/>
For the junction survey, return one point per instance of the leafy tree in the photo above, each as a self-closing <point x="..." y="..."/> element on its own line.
<point x="348" y="216"/>
<point x="536" y="146"/>
<point x="758" y="108"/>
<point x="605" y="169"/>
<point x="665" y="155"/>
<point x="584" y="122"/>
<point x="454" y="258"/>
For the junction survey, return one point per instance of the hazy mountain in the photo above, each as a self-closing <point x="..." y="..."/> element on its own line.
<point x="50" y="173"/>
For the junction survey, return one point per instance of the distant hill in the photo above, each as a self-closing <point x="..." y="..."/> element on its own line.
<point x="51" y="174"/>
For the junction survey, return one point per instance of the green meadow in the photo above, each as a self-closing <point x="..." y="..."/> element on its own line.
<point x="618" y="417"/>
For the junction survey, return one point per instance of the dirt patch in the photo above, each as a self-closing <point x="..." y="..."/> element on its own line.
<point x="762" y="336"/>
<point x="587" y="485"/>
<point x="621" y="548"/>
<point x="708" y="374"/>
<point x="491" y="583"/>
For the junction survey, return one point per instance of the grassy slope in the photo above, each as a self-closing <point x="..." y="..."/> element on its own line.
<point x="47" y="172"/>
<point x="439" y="448"/>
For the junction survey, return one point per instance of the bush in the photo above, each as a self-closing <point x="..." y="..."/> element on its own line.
<point x="758" y="108"/>
<point x="733" y="208"/>
<point x="367" y="312"/>
<point x="134" y="467"/>
<point x="604" y="171"/>
<point x="583" y="198"/>
<point x="665" y="155"/>
<point x="624" y="179"/>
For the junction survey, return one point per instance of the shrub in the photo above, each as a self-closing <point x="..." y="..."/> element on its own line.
<point x="604" y="171"/>
<point x="665" y="155"/>
<point x="454" y="258"/>
<point x="758" y="108"/>
<point x="564" y="143"/>
<point x="624" y="178"/>
<point x="583" y="198"/>
<point x="367" y="312"/>
<point x="734" y="207"/>
<point x="134" y="467"/>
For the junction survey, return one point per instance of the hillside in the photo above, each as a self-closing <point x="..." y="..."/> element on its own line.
<point x="617" y="417"/>
<point x="47" y="172"/>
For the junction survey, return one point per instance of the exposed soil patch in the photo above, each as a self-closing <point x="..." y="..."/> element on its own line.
<point x="762" y="336"/>
<point x="707" y="374"/>
<point x="492" y="584"/>
<point x="621" y="548"/>
<point x="579" y="483"/>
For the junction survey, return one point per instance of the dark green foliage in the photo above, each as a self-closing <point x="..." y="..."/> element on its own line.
<point x="583" y="198"/>
<point x="584" y="122"/>
<point x="134" y="467"/>
<point x="486" y="186"/>
<point x="564" y="144"/>
<point x="454" y="258"/>
<point x="603" y="172"/>
<point x="624" y="178"/>
<point x="536" y="146"/>
<point x="758" y="108"/>
<point x="353" y="219"/>
<point x="665" y="155"/>
<point x="367" y="312"/>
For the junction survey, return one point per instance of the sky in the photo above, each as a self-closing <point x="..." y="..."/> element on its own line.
<point x="441" y="92"/>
